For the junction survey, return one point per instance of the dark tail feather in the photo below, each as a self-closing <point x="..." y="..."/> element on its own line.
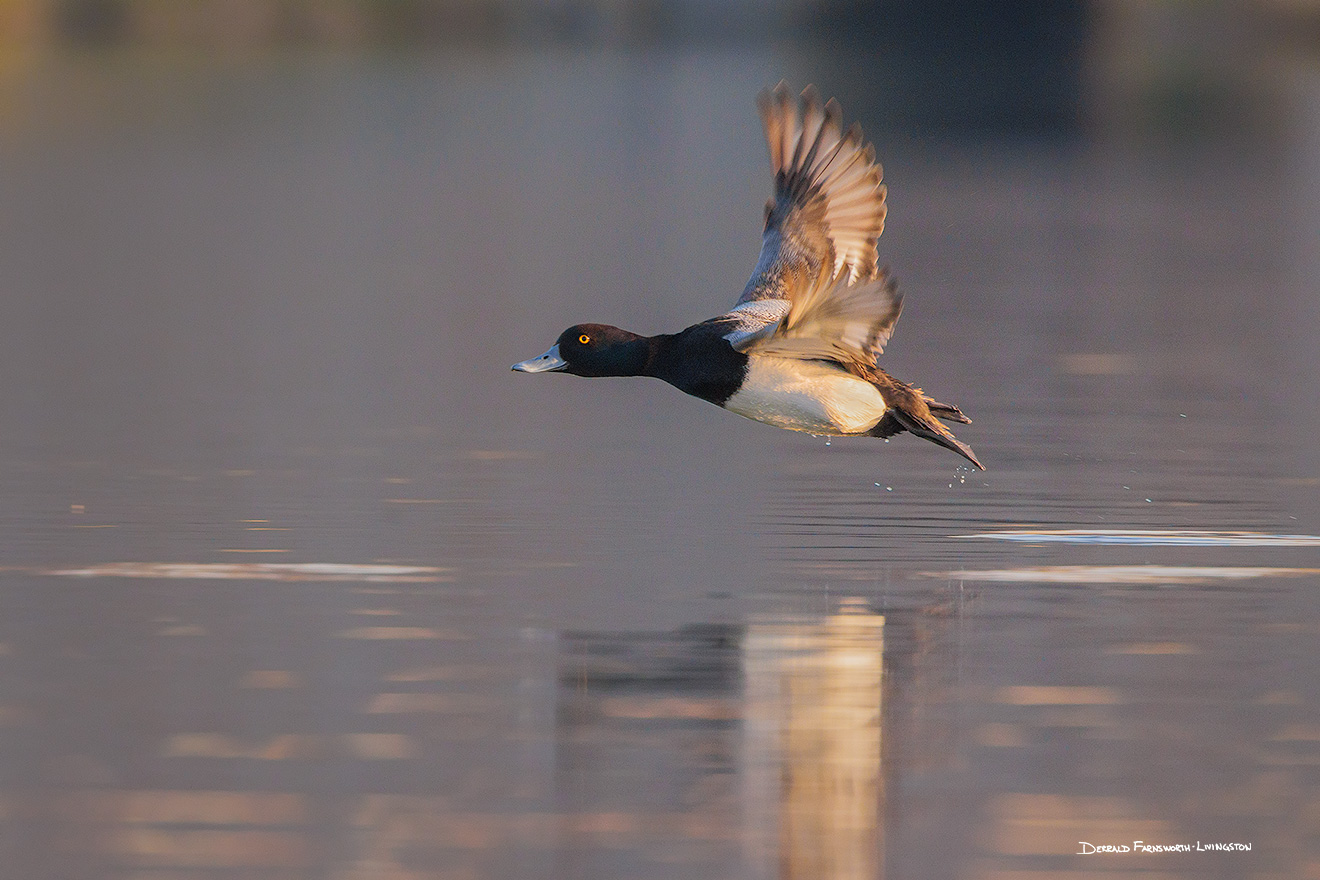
<point x="947" y="411"/>
<point x="908" y="409"/>
<point x="887" y="427"/>
<point x="929" y="429"/>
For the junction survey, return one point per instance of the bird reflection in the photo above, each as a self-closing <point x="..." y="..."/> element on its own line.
<point x="768" y="737"/>
<point x="749" y="751"/>
<point x="814" y="791"/>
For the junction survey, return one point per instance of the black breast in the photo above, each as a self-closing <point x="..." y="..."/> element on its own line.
<point x="699" y="361"/>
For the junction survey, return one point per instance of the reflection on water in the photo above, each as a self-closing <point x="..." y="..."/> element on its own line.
<point x="814" y="786"/>
<point x="756" y="745"/>
<point x="383" y="740"/>
<point x="775" y="730"/>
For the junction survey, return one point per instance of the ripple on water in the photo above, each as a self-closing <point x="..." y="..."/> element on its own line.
<point x="1150" y="537"/>
<point x="268" y="571"/>
<point x="1121" y="574"/>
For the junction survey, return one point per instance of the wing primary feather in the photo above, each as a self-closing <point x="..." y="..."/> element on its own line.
<point x="772" y="122"/>
<point x="848" y="164"/>
<point x="829" y="204"/>
<point x="813" y="126"/>
<point x="830" y="128"/>
<point x="788" y="115"/>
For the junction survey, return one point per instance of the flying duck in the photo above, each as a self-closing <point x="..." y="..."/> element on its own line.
<point x="798" y="350"/>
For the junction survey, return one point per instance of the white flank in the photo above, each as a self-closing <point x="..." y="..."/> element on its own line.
<point x="806" y="396"/>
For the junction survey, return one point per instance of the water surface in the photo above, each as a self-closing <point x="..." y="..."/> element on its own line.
<point x="300" y="581"/>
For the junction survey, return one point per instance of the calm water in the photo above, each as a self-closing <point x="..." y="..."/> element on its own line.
<point x="300" y="581"/>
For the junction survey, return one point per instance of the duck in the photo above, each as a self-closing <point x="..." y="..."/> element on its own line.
<point x="799" y="348"/>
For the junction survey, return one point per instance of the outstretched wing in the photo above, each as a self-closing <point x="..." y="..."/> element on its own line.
<point x="829" y="203"/>
<point x="831" y="317"/>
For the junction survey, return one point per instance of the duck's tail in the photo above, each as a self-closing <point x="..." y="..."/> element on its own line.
<point x="910" y="410"/>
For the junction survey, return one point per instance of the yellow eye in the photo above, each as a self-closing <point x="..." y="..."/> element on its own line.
<point x="584" y="339"/>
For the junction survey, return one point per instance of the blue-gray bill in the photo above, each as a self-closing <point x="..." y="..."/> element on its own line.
<point x="549" y="362"/>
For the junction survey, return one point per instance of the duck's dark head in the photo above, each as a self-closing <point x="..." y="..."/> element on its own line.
<point x="593" y="350"/>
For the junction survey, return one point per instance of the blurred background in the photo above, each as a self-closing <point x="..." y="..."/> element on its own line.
<point x="297" y="580"/>
<point x="1032" y="66"/>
